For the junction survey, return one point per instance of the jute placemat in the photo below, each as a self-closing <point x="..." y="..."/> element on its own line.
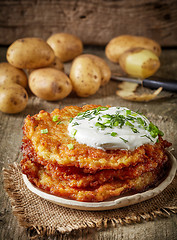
<point x="43" y="217"/>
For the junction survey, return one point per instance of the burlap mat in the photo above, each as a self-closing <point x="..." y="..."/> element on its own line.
<point x="42" y="217"/>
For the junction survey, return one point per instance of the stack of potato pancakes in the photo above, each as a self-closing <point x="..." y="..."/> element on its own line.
<point x="57" y="164"/>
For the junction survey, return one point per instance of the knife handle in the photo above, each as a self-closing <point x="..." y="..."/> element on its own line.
<point x="168" y="85"/>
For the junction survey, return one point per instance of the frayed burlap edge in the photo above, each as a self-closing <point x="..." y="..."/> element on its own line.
<point x="36" y="231"/>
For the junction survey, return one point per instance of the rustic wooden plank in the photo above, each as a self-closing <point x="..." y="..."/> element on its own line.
<point x="10" y="141"/>
<point x="94" y="21"/>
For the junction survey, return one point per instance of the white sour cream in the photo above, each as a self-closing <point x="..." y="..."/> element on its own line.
<point x="111" y="128"/>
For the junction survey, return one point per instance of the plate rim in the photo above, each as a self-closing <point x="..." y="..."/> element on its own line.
<point x="110" y="204"/>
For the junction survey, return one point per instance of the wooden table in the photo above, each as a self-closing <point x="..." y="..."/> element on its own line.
<point x="10" y="142"/>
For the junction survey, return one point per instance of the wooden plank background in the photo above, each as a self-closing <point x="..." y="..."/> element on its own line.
<point x="94" y="21"/>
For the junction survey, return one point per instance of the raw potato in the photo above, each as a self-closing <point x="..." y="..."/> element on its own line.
<point x="29" y="53"/>
<point x="119" y="45"/>
<point x="13" y="98"/>
<point x="85" y="76"/>
<point x="66" y="46"/>
<point x="57" y="64"/>
<point x="140" y="63"/>
<point x="10" y="74"/>
<point x="104" y="68"/>
<point x="50" y="84"/>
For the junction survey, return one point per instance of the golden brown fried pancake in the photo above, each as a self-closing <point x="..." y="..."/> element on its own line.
<point x="39" y="176"/>
<point x="85" y="173"/>
<point x="78" y="177"/>
<point x="53" y="146"/>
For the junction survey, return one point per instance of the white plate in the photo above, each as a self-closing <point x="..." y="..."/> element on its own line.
<point x="111" y="204"/>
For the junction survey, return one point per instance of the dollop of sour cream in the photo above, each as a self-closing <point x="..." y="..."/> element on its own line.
<point x="113" y="128"/>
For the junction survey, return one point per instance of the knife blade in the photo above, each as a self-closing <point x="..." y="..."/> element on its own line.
<point x="152" y="82"/>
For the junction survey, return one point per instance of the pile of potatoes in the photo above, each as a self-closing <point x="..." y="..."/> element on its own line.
<point x="138" y="56"/>
<point x="13" y="96"/>
<point x="43" y="63"/>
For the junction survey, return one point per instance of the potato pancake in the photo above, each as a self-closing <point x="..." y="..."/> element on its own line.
<point x="56" y="162"/>
<point x="39" y="176"/>
<point x="80" y="177"/>
<point x="53" y="146"/>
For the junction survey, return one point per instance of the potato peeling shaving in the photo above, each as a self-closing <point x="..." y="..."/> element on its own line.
<point x="127" y="89"/>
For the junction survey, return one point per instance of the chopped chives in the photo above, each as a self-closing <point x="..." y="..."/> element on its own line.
<point x="113" y="134"/>
<point x="116" y="123"/>
<point x="55" y="118"/>
<point x="74" y="124"/>
<point x="161" y="133"/>
<point x="100" y="125"/>
<point x="118" y="119"/>
<point x="70" y="146"/>
<point x="141" y="121"/>
<point x="91" y="118"/>
<point x="70" y="120"/>
<point x="154" y="131"/>
<point x="73" y="132"/>
<point x="125" y="141"/>
<point x="106" y="116"/>
<point x="128" y="112"/>
<point x="134" y="130"/>
<point x="147" y="137"/>
<point x="129" y="124"/>
<point x="44" y="131"/>
<point x="134" y="114"/>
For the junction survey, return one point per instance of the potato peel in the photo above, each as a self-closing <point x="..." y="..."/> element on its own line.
<point x="128" y="86"/>
<point x="127" y="92"/>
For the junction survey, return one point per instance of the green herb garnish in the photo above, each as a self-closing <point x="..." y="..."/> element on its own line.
<point x="75" y="124"/>
<point x="73" y="132"/>
<point x="147" y="137"/>
<point x="100" y="125"/>
<point x="127" y="123"/>
<point x="70" y="120"/>
<point x="135" y="130"/>
<point x="113" y="134"/>
<point x="154" y="131"/>
<point x="128" y="112"/>
<point x="125" y="141"/>
<point x="44" y="131"/>
<point x="134" y="114"/>
<point x="89" y="113"/>
<point x="55" y="118"/>
<point x="141" y="121"/>
<point x="161" y="133"/>
<point x="70" y="146"/>
<point x="106" y="116"/>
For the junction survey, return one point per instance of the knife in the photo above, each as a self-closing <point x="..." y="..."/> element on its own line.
<point x="152" y="82"/>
